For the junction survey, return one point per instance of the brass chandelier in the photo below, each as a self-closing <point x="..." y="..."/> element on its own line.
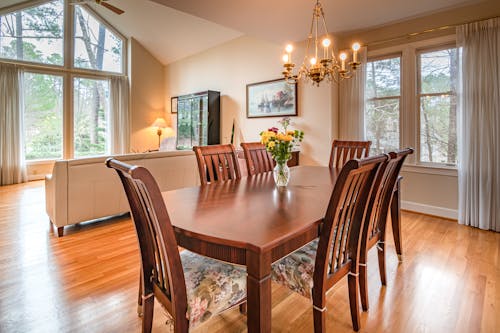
<point x="318" y="67"/>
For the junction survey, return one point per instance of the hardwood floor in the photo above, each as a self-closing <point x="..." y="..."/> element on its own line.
<point x="87" y="280"/>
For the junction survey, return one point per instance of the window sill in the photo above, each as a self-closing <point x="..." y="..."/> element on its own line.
<point x="431" y="170"/>
<point x="40" y="162"/>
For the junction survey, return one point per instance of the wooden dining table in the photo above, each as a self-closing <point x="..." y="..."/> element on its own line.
<point x="252" y="222"/>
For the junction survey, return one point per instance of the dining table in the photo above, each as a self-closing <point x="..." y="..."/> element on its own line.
<point x="252" y="222"/>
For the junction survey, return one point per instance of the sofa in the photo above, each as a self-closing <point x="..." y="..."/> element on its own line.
<point x="85" y="189"/>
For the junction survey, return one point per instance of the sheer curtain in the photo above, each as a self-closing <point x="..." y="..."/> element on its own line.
<point x="120" y="115"/>
<point x="352" y="103"/>
<point x="12" y="164"/>
<point x="479" y="125"/>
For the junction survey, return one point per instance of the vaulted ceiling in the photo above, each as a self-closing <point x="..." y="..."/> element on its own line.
<point x="174" y="29"/>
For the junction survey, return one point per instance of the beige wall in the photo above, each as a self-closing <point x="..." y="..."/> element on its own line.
<point x="147" y="97"/>
<point x="228" y="68"/>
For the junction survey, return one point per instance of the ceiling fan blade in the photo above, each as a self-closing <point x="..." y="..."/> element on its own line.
<point x="114" y="9"/>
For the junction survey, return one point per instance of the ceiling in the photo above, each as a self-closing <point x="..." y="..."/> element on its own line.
<point x="174" y="29"/>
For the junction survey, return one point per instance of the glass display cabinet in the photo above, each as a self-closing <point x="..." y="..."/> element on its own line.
<point x="198" y="119"/>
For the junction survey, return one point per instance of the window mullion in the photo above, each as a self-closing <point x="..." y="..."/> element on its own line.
<point x="409" y="115"/>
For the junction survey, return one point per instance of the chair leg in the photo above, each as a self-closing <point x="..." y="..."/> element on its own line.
<point x="139" y="298"/>
<point x="363" y="285"/>
<point x="148" y="303"/>
<point x="396" y="219"/>
<point x="353" y="284"/>
<point x="381" y="261"/>
<point x="243" y="308"/>
<point x="319" y="317"/>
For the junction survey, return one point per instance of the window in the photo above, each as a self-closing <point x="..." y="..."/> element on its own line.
<point x="438" y="76"/>
<point x="66" y="101"/>
<point x="34" y="34"/>
<point x="383" y="95"/>
<point x="96" y="47"/>
<point x="43" y="116"/>
<point x="91" y="117"/>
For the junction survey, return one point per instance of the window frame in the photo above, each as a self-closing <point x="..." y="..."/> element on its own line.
<point x="385" y="57"/>
<point x="409" y="107"/>
<point x="419" y="95"/>
<point x="67" y="70"/>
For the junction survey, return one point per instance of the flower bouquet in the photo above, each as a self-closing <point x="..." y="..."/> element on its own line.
<point x="280" y="146"/>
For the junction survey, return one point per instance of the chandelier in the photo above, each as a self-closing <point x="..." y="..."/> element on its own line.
<point x="318" y="67"/>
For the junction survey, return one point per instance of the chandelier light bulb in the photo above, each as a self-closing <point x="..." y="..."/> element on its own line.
<point x="285" y="58"/>
<point x="289" y="48"/>
<point x="343" y="56"/>
<point x="313" y="61"/>
<point x="356" y="46"/>
<point x="326" y="42"/>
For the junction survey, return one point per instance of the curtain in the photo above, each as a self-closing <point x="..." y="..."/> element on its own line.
<point x="120" y="115"/>
<point x="12" y="164"/>
<point x="479" y="125"/>
<point x="352" y="103"/>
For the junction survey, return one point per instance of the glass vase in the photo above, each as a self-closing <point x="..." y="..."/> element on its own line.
<point x="281" y="174"/>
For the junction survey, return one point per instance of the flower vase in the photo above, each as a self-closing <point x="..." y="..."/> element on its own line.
<point x="281" y="174"/>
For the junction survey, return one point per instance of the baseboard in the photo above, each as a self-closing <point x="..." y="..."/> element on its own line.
<point x="430" y="210"/>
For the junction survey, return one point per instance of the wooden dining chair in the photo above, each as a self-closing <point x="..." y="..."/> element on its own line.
<point x="316" y="267"/>
<point x="257" y="158"/>
<point x="192" y="288"/>
<point x="343" y="151"/>
<point x="376" y="218"/>
<point x="217" y="163"/>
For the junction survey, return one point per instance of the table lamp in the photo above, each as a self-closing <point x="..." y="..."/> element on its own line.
<point x="159" y="123"/>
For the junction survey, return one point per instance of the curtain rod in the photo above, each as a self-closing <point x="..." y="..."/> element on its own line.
<point x="413" y="34"/>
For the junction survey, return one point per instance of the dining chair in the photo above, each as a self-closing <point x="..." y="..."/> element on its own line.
<point x="217" y="163"/>
<point x="257" y="158"/>
<point x="192" y="288"/>
<point x="343" y="151"/>
<point x="316" y="267"/>
<point x="376" y="218"/>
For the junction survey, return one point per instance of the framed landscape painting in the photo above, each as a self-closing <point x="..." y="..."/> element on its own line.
<point x="274" y="98"/>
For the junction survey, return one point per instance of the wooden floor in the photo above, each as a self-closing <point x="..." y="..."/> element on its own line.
<point x="86" y="281"/>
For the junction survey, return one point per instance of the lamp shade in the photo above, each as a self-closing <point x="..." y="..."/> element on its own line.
<point x="160" y="123"/>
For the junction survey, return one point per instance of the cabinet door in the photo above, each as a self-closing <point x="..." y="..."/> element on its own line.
<point x="184" y="124"/>
<point x="195" y="122"/>
<point x="204" y="119"/>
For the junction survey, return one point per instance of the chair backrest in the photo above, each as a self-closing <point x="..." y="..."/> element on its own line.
<point x="161" y="263"/>
<point x="257" y="158"/>
<point x="380" y="198"/>
<point x="340" y="238"/>
<point x="217" y="163"/>
<point x="343" y="151"/>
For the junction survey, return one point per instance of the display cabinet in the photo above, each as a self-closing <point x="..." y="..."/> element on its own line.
<point x="198" y="119"/>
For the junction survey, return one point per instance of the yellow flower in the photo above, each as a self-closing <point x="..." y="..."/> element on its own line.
<point x="271" y="144"/>
<point x="287" y="138"/>
<point x="290" y="132"/>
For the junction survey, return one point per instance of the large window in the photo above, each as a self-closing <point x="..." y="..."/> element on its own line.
<point x="43" y="116"/>
<point x="438" y="75"/>
<point x="91" y="110"/>
<point x="411" y="101"/>
<point x="96" y="47"/>
<point x="34" y="34"/>
<point x="383" y="95"/>
<point x="66" y="100"/>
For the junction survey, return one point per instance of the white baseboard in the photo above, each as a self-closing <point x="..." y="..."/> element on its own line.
<point x="431" y="210"/>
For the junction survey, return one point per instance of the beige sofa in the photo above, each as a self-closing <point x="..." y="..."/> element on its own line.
<point x="85" y="189"/>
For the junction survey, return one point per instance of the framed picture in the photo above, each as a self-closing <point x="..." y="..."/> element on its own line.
<point x="274" y="98"/>
<point x="173" y="104"/>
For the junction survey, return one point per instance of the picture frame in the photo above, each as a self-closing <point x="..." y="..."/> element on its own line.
<point x="273" y="98"/>
<point x="173" y="104"/>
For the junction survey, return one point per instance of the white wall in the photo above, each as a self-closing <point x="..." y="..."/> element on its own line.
<point x="228" y="68"/>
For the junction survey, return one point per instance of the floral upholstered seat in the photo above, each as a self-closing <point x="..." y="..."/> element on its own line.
<point x="295" y="271"/>
<point x="212" y="286"/>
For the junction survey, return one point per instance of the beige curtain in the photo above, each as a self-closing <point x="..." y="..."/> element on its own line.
<point x="120" y="115"/>
<point x="12" y="164"/>
<point x="352" y="103"/>
<point x="479" y="125"/>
